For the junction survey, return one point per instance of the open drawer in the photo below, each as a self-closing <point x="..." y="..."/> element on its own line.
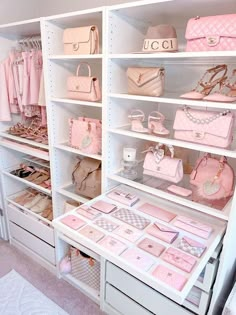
<point x="146" y="275"/>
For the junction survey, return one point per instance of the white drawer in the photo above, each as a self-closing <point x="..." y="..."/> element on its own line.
<point x="31" y="224"/>
<point x="38" y="246"/>
<point x="126" y="283"/>
<point x="208" y="275"/>
<point x="123" y="303"/>
<point x="198" y="301"/>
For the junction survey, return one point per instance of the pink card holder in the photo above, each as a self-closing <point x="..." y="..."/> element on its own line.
<point x="151" y="247"/>
<point x="179" y="190"/>
<point x="131" y="218"/>
<point x="137" y="258"/>
<point x="162" y="232"/>
<point x="91" y="233"/>
<point x="72" y="221"/>
<point x="193" y="226"/>
<point x="191" y="246"/>
<point x="103" y="206"/>
<point x="123" y="197"/>
<point x="106" y="224"/>
<point x="179" y="259"/>
<point x="157" y="212"/>
<point x="128" y="232"/>
<point x="88" y="212"/>
<point x="113" y="245"/>
<point x="169" y="277"/>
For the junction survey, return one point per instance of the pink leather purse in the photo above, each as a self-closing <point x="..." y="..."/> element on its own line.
<point x="157" y="212"/>
<point x="213" y="178"/>
<point x="86" y="135"/>
<point x="137" y="258"/>
<point x="169" y="277"/>
<point x="211" y="33"/>
<point x="205" y="127"/>
<point x="103" y="206"/>
<point x="72" y="221"/>
<point x="163" y="167"/>
<point x="151" y="247"/>
<point x="81" y="40"/>
<point x="123" y="197"/>
<point x="179" y="259"/>
<point x="191" y="246"/>
<point x="84" y="88"/>
<point x="162" y="232"/>
<point x="146" y="81"/>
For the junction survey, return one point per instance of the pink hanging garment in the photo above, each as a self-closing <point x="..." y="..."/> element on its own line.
<point x="5" y="114"/>
<point x="35" y="76"/>
<point x="26" y="80"/>
<point x="42" y="100"/>
<point x="17" y="87"/>
<point x="11" y="86"/>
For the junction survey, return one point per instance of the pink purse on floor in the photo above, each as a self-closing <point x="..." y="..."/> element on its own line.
<point x="211" y="33"/>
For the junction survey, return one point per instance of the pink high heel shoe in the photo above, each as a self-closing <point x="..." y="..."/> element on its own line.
<point x="137" y="118"/>
<point x="155" y="124"/>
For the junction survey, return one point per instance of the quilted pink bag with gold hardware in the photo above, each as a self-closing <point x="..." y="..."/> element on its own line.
<point x="211" y="33"/>
<point x="84" y="88"/>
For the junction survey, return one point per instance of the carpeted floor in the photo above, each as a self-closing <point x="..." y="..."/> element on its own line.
<point x="59" y="291"/>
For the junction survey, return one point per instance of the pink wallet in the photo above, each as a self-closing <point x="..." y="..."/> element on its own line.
<point x="179" y="190"/>
<point x="113" y="245"/>
<point x="169" y="277"/>
<point x="193" y="226"/>
<point x="103" y="206"/>
<point x="128" y="216"/>
<point x="91" y="233"/>
<point x="191" y="246"/>
<point x="106" y="224"/>
<point x="72" y="221"/>
<point x="157" y="212"/>
<point x="123" y="197"/>
<point x="128" y="232"/>
<point x="88" y="213"/>
<point x="179" y="259"/>
<point x="151" y="247"/>
<point x="137" y="258"/>
<point x="163" y="232"/>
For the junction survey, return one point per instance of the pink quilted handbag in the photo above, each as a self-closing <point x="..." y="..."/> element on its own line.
<point x="205" y="127"/>
<point x="163" y="167"/>
<point x="213" y="178"/>
<point x="84" y="88"/>
<point x="211" y="33"/>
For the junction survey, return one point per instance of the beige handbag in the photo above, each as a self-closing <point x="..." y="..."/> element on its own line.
<point x="87" y="177"/>
<point x="146" y="81"/>
<point x="81" y="40"/>
<point x="84" y="88"/>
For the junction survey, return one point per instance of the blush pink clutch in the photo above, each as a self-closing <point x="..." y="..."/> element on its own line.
<point x="162" y="232"/>
<point x="179" y="259"/>
<point x="137" y="258"/>
<point x="103" y="206"/>
<point x="169" y="277"/>
<point x="193" y="226"/>
<point x="211" y="33"/>
<point x="91" y="233"/>
<point x="72" y="221"/>
<point x="151" y="247"/>
<point x="113" y="245"/>
<point x="157" y="212"/>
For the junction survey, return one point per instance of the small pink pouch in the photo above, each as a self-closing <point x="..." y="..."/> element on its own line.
<point x="191" y="246"/>
<point x="179" y="190"/>
<point x="193" y="226"/>
<point x="103" y="206"/>
<point x="179" y="259"/>
<point x="88" y="212"/>
<point x="169" y="277"/>
<point x="123" y="197"/>
<point x="72" y="221"/>
<point x="91" y="233"/>
<point x="128" y="232"/>
<point x="138" y="259"/>
<point x="163" y="232"/>
<point x="157" y="212"/>
<point x="151" y="247"/>
<point x="113" y="245"/>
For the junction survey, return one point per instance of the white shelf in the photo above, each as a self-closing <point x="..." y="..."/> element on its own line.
<point x="173" y="98"/>
<point x="70" y="101"/>
<point x="221" y="214"/>
<point x="28" y="183"/>
<point x="23" y="140"/>
<point x="178" y="143"/>
<point x="67" y="148"/>
<point x="68" y="191"/>
<point x="72" y="57"/>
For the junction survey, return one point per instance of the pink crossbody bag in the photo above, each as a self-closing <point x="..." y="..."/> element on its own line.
<point x="211" y="33"/>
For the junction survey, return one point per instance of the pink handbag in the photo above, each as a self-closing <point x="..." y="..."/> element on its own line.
<point x="179" y="259"/>
<point x="205" y="127"/>
<point x="86" y="135"/>
<point x="163" y="167"/>
<point x="211" y="33"/>
<point x="146" y="81"/>
<point x="213" y="178"/>
<point x="81" y="40"/>
<point x="84" y="88"/>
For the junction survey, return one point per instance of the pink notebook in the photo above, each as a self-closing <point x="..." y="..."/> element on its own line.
<point x="72" y="221"/>
<point x="157" y="212"/>
<point x="169" y="277"/>
<point x="138" y="258"/>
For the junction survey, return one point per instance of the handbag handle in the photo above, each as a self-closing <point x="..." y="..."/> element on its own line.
<point x="160" y="153"/>
<point x="88" y="67"/>
<point x="206" y="120"/>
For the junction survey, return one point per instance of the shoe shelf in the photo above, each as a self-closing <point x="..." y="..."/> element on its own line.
<point x="77" y="57"/>
<point x="23" y="140"/>
<point x="75" y="102"/>
<point x="68" y="191"/>
<point x="37" y="161"/>
<point x="67" y="148"/>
